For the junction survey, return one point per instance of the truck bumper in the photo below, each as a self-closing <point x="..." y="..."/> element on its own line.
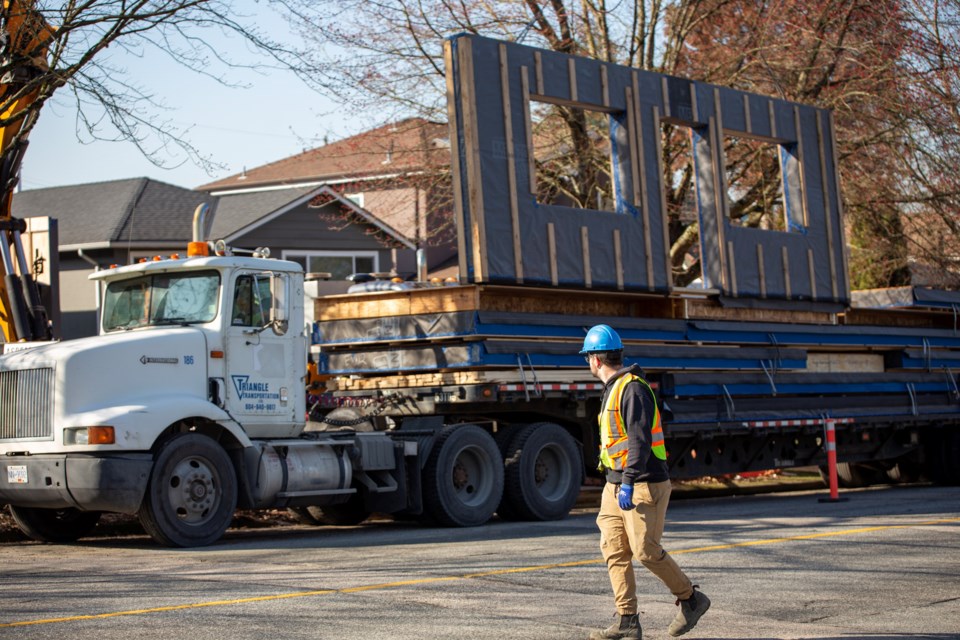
<point x="90" y="483"/>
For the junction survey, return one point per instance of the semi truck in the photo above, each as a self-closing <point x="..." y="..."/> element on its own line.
<point x="205" y="391"/>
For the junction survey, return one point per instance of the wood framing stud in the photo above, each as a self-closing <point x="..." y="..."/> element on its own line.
<point x="802" y="169"/>
<point x="762" y="272"/>
<point x="733" y="269"/>
<point x="786" y="271"/>
<point x="604" y="86"/>
<point x="552" y="252"/>
<point x="694" y="111"/>
<point x="528" y="125"/>
<point x="511" y="163"/>
<point x="458" y="212"/>
<point x="618" y="258"/>
<point x="585" y="243"/>
<point x="773" y="119"/>
<point x="572" y="71"/>
<point x="746" y="113"/>
<point x="665" y="97"/>
<point x="538" y="63"/>
<point x="812" y="269"/>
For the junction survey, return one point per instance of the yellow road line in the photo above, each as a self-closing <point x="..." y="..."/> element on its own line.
<point x="466" y="576"/>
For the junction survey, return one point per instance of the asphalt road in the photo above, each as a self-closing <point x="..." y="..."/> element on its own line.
<point x="884" y="565"/>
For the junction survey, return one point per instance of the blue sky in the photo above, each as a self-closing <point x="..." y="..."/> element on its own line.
<point x="274" y="117"/>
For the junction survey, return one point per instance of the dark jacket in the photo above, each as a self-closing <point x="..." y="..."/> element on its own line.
<point x="637" y="410"/>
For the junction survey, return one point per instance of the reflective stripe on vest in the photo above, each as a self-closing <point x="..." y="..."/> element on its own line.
<point x="613" y="431"/>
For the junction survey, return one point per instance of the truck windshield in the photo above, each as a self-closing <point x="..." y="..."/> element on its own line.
<point x="161" y="299"/>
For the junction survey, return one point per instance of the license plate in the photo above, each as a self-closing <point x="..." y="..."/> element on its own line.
<point x="17" y="474"/>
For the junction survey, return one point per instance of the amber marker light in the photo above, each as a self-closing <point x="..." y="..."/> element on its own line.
<point x="197" y="249"/>
<point x="89" y="435"/>
<point x="216" y="355"/>
<point x="101" y="435"/>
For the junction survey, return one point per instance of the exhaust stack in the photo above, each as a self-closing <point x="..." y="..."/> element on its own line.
<point x="198" y="247"/>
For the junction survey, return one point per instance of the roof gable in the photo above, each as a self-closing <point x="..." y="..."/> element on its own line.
<point x="408" y="146"/>
<point x="238" y="214"/>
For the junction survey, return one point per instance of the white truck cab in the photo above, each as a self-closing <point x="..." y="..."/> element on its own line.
<point x="239" y="324"/>
<point x="205" y="355"/>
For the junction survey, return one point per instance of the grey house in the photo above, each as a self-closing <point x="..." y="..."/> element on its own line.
<point x="120" y="222"/>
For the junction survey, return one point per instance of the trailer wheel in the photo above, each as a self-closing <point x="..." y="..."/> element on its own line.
<point x="542" y="474"/>
<point x="463" y="477"/>
<point x="54" y="525"/>
<point x="192" y="492"/>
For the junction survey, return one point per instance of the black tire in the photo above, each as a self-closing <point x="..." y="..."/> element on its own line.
<point x="54" y="525"/>
<point x="463" y="477"/>
<point x="542" y="474"/>
<point x="852" y="475"/>
<point x="192" y="492"/>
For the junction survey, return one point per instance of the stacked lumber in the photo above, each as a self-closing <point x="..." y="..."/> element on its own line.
<point x="458" y="335"/>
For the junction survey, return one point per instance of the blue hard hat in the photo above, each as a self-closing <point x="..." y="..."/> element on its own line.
<point x="601" y="338"/>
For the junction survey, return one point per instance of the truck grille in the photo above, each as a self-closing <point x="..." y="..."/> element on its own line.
<point x="26" y="404"/>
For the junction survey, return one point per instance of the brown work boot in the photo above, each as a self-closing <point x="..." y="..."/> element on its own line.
<point x="690" y="612"/>
<point x="624" y="626"/>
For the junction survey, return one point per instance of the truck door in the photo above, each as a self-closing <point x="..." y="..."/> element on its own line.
<point x="261" y="371"/>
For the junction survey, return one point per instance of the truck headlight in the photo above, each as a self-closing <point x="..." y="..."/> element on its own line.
<point x="89" y="435"/>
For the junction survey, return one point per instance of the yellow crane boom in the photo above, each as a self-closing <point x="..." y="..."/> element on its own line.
<point x="24" y="35"/>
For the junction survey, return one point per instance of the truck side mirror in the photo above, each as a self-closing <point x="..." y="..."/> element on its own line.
<point x="279" y="317"/>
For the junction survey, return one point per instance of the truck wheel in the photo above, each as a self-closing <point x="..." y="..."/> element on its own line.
<point x="542" y="474"/>
<point x="54" y="525"/>
<point x="192" y="492"/>
<point x="463" y="477"/>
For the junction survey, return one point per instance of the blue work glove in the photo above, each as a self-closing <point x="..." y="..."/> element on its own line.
<point x="625" y="497"/>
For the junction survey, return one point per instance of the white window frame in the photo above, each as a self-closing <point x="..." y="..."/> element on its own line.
<point x="289" y="253"/>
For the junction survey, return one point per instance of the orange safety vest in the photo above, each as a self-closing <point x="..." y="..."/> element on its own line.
<point x="613" y="431"/>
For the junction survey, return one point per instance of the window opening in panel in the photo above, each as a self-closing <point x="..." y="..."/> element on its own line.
<point x="755" y="185"/>
<point x="572" y="153"/>
<point x="679" y="184"/>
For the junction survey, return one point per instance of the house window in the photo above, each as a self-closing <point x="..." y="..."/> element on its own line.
<point x="339" y="264"/>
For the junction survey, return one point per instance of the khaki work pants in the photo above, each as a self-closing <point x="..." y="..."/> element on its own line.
<point x="625" y="535"/>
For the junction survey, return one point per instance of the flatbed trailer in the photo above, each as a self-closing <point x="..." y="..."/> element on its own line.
<point x="740" y="389"/>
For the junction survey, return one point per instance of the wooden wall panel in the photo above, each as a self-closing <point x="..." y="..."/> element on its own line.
<point x="508" y="237"/>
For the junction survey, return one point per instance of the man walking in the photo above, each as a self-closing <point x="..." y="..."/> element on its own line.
<point x="635" y="497"/>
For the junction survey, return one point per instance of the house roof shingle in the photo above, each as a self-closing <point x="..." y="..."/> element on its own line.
<point x="410" y="145"/>
<point x="136" y="209"/>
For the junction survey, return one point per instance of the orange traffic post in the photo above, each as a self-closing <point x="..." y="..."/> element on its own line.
<point x="829" y="426"/>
